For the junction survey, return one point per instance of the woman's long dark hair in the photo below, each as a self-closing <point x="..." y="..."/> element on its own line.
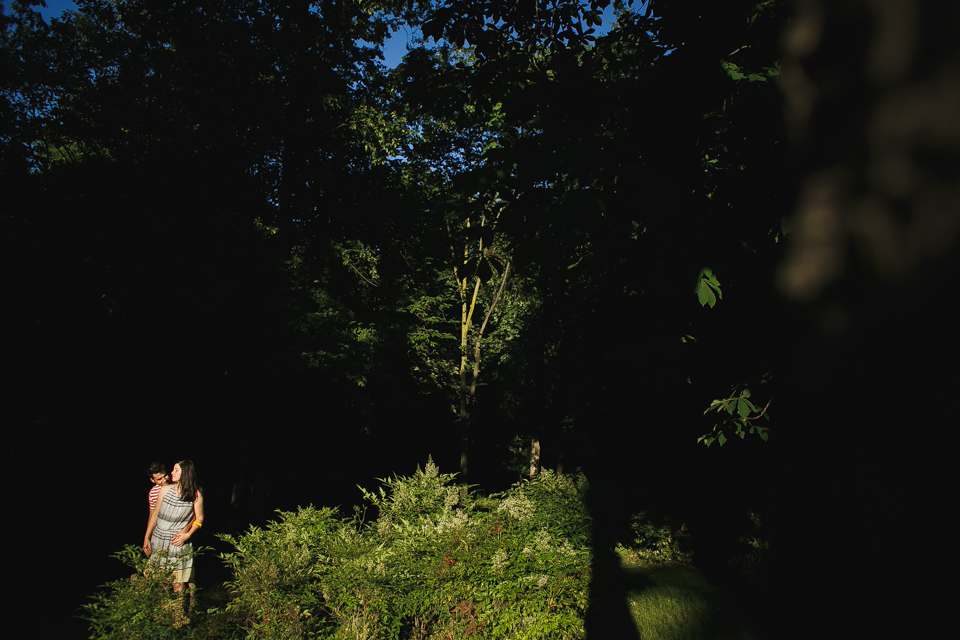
<point x="189" y="484"/>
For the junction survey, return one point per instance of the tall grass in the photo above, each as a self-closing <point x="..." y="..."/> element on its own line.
<point x="677" y="603"/>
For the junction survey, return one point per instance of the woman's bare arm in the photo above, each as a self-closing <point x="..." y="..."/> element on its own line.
<point x="152" y="523"/>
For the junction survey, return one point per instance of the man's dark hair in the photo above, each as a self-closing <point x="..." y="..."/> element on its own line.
<point x="156" y="467"/>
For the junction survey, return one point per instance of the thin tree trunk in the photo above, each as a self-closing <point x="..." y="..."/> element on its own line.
<point x="468" y="389"/>
<point x="534" y="456"/>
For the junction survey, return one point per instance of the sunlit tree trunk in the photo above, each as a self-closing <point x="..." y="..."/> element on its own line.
<point x="469" y="371"/>
<point x="467" y="386"/>
<point x="534" y="456"/>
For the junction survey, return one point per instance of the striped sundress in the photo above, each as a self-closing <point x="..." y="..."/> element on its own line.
<point x="172" y="516"/>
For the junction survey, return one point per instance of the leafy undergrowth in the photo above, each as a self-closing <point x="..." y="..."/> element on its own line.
<point x="434" y="562"/>
<point x="676" y="602"/>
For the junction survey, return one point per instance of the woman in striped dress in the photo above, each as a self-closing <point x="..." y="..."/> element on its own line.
<point x="178" y="515"/>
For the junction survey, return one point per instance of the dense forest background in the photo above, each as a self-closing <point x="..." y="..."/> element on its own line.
<point x="231" y="233"/>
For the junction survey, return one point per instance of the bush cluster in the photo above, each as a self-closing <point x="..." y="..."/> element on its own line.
<point x="141" y="607"/>
<point x="436" y="562"/>
<point x="659" y="541"/>
<point x="754" y="544"/>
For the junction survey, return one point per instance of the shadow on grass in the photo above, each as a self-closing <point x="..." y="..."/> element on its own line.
<point x="677" y="603"/>
<point x="608" y="613"/>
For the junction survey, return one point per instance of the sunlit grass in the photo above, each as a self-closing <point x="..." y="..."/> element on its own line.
<point x="677" y="603"/>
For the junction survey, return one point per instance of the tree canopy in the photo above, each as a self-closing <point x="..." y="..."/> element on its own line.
<point x="523" y="217"/>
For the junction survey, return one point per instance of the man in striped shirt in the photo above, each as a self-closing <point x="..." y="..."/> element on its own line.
<point x="157" y="472"/>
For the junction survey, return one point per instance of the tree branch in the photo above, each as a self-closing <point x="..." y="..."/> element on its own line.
<point x="762" y="412"/>
<point x="361" y="275"/>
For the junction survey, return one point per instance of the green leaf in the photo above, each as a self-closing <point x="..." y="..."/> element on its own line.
<point x="716" y="404"/>
<point x="708" y="288"/>
<point x="722" y="438"/>
<point x="705" y="295"/>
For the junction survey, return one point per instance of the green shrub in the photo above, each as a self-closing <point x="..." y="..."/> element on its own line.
<point x="754" y="544"/>
<point x="659" y="542"/>
<point x="141" y="606"/>
<point x="437" y="562"/>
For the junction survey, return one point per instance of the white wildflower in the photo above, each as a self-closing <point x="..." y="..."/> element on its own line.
<point x="543" y="540"/>
<point x="452" y="497"/>
<point x="499" y="560"/>
<point x="541" y="579"/>
<point x="518" y="506"/>
<point x="452" y="521"/>
<point x="566" y="549"/>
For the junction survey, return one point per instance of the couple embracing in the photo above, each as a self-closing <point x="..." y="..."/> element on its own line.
<point x="176" y="513"/>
